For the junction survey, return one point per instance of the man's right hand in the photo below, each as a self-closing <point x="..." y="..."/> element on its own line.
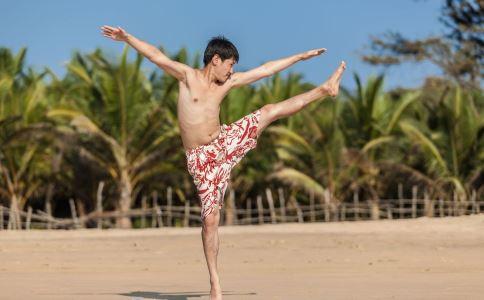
<point x="117" y="34"/>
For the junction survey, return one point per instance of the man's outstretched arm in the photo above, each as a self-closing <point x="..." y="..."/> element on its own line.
<point x="272" y="67"/>
<point x="152" y="53"/>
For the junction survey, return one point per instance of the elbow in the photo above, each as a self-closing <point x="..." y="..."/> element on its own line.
<point x="267" y="71"/>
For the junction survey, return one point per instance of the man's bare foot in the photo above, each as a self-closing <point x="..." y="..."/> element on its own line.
<point x="215" y="290"/>
<point x="331" y="86"/>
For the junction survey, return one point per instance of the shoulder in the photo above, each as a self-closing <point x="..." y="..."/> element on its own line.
<point x="191" y="75"/>
<point x="236" y="80"/>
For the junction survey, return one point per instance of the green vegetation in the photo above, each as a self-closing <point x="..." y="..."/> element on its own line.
<point x="107" y="120"/>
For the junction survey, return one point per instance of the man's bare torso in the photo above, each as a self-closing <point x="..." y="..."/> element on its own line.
<point x="198" y="109"/>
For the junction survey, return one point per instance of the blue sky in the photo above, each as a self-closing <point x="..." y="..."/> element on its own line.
<point x="261" y="30"/>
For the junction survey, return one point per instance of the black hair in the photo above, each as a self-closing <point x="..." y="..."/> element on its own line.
<point x="221" y="46"/>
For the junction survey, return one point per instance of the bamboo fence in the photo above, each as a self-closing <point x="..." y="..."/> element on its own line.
<point x="265" y="209"/>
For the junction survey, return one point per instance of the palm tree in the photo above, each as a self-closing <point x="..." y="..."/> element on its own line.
<point x="343" y="141"/>
<point x="121" y="125"/>
<point x="450" y="138"/>
<point x="22" y="105"/>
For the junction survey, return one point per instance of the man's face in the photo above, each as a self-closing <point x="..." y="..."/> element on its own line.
<point x="224" y="69"/>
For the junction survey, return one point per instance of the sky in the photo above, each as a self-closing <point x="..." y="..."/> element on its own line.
<point x="261" y="30"/>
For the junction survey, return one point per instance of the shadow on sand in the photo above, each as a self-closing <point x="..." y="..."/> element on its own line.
<point x="141" y="295"/>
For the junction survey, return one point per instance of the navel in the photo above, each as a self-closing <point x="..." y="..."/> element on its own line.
<point x="195" y="99"/>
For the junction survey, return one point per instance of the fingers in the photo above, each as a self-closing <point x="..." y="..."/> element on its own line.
<point x="109" y="28"/>
<point x="316" y="52"/>
<point x="320" y="51"/>
<point x="110" y="32"/>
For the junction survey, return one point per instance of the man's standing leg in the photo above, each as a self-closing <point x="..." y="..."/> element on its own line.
<point x="273" y="112"/>
<point x="210" y="247"/>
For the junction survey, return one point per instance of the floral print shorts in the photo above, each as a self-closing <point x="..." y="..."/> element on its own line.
<point x="210" y="164"/>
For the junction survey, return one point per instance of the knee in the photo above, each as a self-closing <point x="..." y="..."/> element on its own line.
<point x="210" y="222"/>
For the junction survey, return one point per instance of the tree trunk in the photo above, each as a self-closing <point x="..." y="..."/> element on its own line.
<point x="14" y="216"/>
<point x="124" y="203"/>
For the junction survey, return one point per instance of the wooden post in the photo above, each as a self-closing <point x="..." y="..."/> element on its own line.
<point x="449" y="208"/>
<point x="157" y="208"/>
<point x="186" y="217"/>
<point x="29" y="217"/>
<point x="475" y="205"/>
<point x="260" y="209"/>
<point x="154" y="209"/>
<point x="455" y="208"/>
<point x="343" y="211"/>
<point x="9" y="224"/>
<point x="300" y="217"/>
<point x="478" y="211"/>
<point x="248" y="211"/>
<point x="47" y="206"/>
<point x="1" y="217"/>
<point x="312" y="213"/>
<point x="169" y="200"/>
<point x="48" y="210"/>
<point x="234" y="207"/>
<point x="389" y="211"/>
<point x="230" y="208"/>
<point x="429" y="205"/>
<point x="159" y="216"/>
<point x="282" y="204"/>
<point x="270" y="200"/>
<point x="441" y="207"/>
<point x="326" y="206"/>
<point x="73" y="213"/>
<point x="144" y="208"/>
<point x="221" y="210"/>
<point x="99" y="204"/>
<point x="334" y="207"/>
<point x="356" y="206"/>
<point x="400" y="201"/>
<point x="414" y="201"/>
<point x="82" y="213"/>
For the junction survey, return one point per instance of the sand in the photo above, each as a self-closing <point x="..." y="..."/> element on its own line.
<point x="438" y="258"/>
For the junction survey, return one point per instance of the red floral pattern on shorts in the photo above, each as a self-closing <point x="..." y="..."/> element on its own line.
<point x="210" y="165"/>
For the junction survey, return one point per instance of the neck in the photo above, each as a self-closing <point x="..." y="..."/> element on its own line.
<point x="208" y="74"/>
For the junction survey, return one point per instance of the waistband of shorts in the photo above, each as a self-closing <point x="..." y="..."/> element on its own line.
<point x="215" y="140"/>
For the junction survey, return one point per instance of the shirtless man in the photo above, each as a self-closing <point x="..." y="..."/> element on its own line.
<point x="213" y="149"/>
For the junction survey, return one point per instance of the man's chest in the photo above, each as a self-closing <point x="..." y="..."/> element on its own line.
<point x="200" y="93"/>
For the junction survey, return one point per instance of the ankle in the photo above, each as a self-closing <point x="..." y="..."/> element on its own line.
<point x="329" y="89"/>
<point x="324" y="89"/>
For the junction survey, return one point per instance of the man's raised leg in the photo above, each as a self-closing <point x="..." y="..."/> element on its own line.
<point x="273" y="112"/>
<point x="210" y="247"/>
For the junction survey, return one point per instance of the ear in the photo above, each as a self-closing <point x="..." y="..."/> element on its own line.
<point x="216" y="59"/>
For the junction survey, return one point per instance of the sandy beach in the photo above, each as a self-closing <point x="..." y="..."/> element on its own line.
<point x="438" y="258"/>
